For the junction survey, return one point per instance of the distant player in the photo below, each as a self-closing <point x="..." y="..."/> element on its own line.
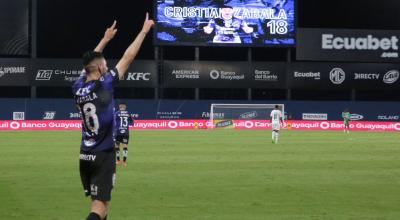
<point x="94" y="97"/>
<point x="346" y="120"/>
<point x="276" y="120"/>
<point x="123" y="119"/>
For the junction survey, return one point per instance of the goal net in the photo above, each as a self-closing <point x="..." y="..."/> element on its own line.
<point x="224" y="115"/>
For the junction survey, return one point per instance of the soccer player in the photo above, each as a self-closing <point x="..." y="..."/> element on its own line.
<point x="93" y="92"/>
<point x="276" y="120"/>
<point x="346" y="120"/>
<point x="227" y="27"/>
<point x="123" y="120"/>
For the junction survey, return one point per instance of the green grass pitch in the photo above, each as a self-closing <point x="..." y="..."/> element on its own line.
<point x="203" y="174"/>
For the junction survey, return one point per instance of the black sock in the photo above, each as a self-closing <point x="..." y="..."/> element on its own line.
<point x="125" y="153"/>
<point x="117" y="153"/>
<point x="105" y="218"/>
<point x="93" y="216"/>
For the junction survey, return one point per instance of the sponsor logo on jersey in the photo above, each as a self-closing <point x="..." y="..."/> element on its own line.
<point x="337" y="76"/>
<point x="89" y="142"/>
<point x="391" y="76"/>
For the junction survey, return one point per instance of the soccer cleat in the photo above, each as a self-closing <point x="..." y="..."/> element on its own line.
<point x="118" y="162"/>
<point x="125" y="164"/>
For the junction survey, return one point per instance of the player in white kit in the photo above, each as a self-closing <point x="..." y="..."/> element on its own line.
<point x="276" y="120"/>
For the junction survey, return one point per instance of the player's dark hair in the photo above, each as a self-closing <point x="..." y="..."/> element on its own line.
<point x="225" y="6"/>
<point x="277" y="106"/>
<point x="89" y="56"/>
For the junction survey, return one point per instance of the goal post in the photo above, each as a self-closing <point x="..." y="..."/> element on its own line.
<point x="223" y="115"/>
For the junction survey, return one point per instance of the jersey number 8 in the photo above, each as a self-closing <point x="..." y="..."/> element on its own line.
<point x="90" y="117"/>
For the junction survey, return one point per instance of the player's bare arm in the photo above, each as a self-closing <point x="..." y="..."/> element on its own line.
<point x="108" y="36"/>
<point x="133" y="49"/>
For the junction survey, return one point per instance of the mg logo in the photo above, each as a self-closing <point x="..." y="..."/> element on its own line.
<point x="138" y="76"/>
<point x="337" y="76"/>
<point x="214" y="74"/>
<point x="391" y="77"/>
<point x="44" y="74"/>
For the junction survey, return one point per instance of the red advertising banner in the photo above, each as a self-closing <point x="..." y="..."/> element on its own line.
<point x="205" y="124"/>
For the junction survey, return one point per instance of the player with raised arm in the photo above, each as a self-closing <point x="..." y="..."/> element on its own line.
<point x="346" y="120"/>
<point x="94" y="97"/>
<point x="123" y="119"/>
<point x="276" y="120"/>
<point x="227" y="27"/>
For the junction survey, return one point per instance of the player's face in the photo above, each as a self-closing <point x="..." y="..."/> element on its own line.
<point x="227" y="13"/>
<point x="122" y="107"/>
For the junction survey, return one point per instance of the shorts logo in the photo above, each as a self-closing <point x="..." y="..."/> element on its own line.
<point x="93" y="190"/>
<point x="87" y="157"/>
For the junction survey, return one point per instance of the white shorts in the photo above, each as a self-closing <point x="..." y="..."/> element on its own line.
<point x="276" y="126"/>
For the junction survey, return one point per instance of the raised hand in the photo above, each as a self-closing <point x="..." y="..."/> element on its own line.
<point x="148" y="24"/>
<point x="110" y="32"/>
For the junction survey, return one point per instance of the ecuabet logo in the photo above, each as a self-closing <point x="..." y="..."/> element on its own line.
<point x="391" y="77"/>
<point x="337" y="76"/>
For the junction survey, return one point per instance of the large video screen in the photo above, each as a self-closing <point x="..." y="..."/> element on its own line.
<point x="14" y="26"/>
<point x="252" y="23"/>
